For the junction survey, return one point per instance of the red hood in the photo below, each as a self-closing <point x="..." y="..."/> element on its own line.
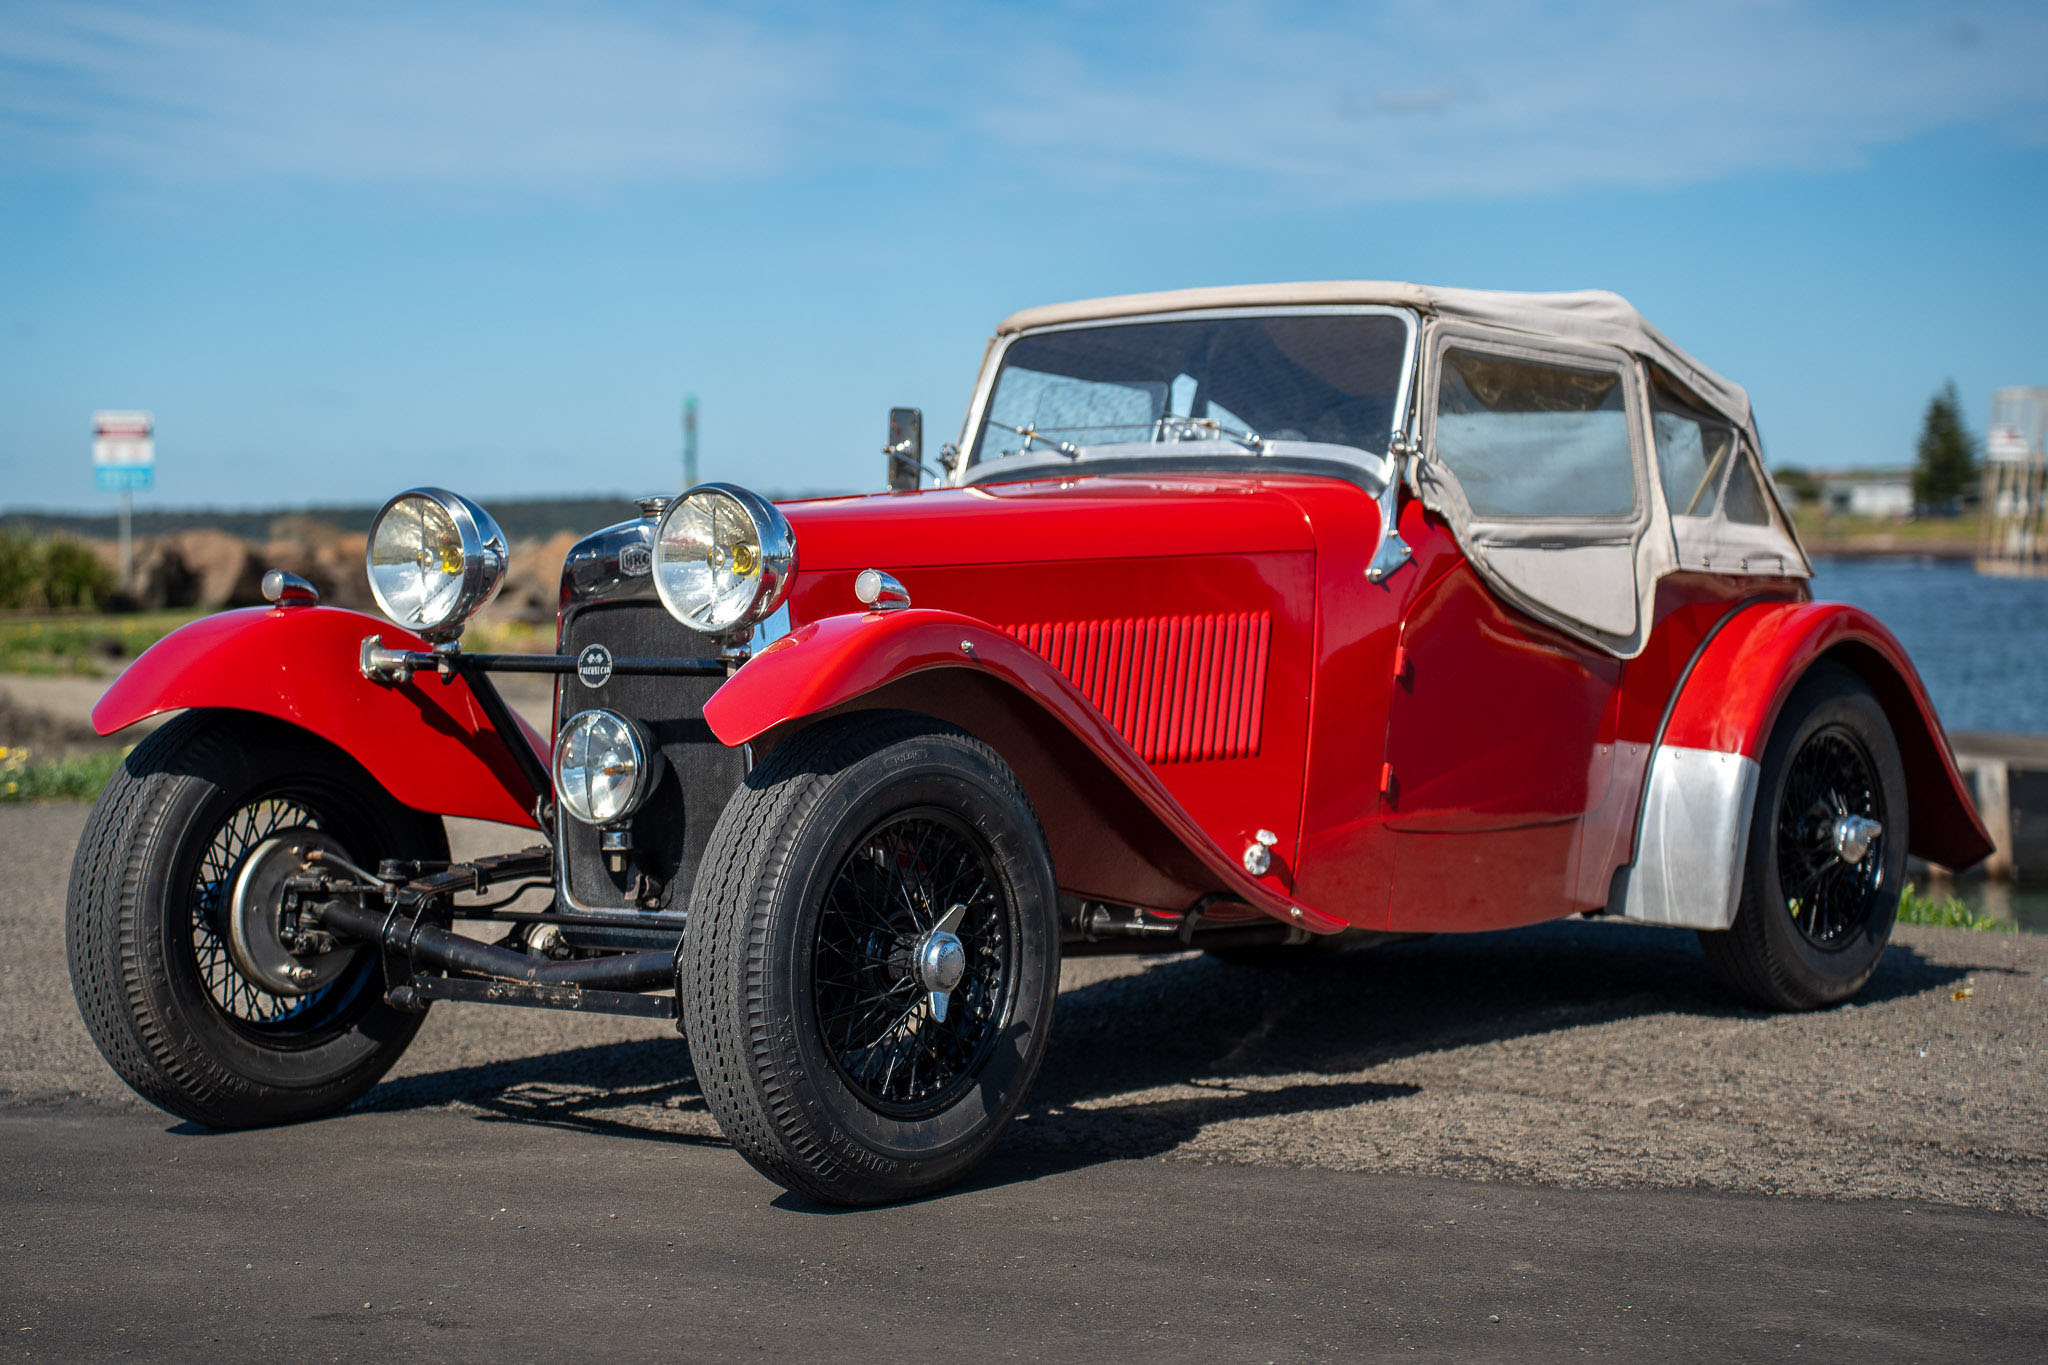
<point x="1089" y="517"/>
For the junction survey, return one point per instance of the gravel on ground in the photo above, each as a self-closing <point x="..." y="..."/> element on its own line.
<point x="1573" y="1054"/>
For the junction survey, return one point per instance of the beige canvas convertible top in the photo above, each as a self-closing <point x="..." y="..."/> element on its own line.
<point x="1599" y="316"/>
<point x="1592" y="578"/>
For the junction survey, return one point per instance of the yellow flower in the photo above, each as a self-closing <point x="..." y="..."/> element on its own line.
<point x="3" y="753"/>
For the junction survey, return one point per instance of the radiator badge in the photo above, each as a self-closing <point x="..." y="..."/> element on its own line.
<point x="594" y="666"/>
<point x="635" y="560"/>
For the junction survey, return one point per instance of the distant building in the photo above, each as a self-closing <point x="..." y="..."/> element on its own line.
<point x="2014" y="542"/>
<point x="1865" y="492"/>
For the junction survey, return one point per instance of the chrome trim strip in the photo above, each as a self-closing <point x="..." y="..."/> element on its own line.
<point x="1694" y="838"/>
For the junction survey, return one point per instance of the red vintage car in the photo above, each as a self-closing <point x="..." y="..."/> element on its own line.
<point x="1242" y="620"/>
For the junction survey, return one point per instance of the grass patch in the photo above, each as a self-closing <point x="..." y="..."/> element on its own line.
<point x="24" y="777"/>
<point x="1817" y="530"/>
<point x="82" y="644"/>
<point x="1948" y="913"/>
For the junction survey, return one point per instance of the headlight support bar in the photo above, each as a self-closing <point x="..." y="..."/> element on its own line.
<point x="396" y="667"/>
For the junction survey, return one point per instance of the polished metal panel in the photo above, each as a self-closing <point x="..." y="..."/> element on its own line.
<point x="592" y="571"/>
<point x="1694" y="838"/>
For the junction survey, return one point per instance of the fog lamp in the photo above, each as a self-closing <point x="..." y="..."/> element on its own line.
<point x="605" y="766"/>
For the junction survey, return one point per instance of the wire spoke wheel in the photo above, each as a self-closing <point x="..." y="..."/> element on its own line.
<point x="1826" y="853"/>
<point x="905" y="1047"/>
<point x="1829" y="897"/>
<point x="212" y="886"/>
<point x="868" y="977"/>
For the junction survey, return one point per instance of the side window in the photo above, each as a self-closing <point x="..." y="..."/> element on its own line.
<point x="1693" y="450"/>
<point x="1746" y="501"/>
<point x="1528" y="438"/>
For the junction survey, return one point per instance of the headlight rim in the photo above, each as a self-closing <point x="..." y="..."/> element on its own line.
<point x="647" y="758"/>
<point x="777" y="541"/>
<point x="485" y="557"/>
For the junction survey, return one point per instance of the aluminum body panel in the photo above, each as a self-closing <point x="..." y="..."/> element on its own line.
<point x="1695" y="832"/>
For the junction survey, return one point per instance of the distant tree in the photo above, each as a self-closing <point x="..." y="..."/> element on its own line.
<point x="1798" y="481"/>
<point x="1945" y="465"/>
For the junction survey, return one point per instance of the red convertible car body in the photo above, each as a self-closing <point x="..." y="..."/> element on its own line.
<point x="1293" y="611"/>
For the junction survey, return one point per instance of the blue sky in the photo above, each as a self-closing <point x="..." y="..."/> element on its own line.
<point x="343" y="249"/>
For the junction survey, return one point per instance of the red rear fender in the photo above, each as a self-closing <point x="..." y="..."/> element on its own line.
<point x="1116" y="832"/>
<point x="427" y="741"/>
<point x="1734" y="693"/>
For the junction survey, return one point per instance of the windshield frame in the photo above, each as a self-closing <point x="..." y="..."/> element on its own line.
<point x="1052" y="462"/>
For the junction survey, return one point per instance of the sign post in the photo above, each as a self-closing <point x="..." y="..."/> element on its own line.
<point x="124" y="461"/>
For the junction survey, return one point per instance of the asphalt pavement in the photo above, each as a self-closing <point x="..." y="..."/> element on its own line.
<point x="1545" y="1143"/>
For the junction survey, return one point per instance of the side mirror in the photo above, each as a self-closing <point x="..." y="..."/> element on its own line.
<point x="905" y="449"/>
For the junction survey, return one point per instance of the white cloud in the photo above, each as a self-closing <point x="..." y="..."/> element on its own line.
<point x="1402" y="99"/>
<point x="471" y="96"/>
<point x="1416" y="99"/>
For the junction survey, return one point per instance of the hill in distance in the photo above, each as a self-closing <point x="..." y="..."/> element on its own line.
<point x="521" y="518"/>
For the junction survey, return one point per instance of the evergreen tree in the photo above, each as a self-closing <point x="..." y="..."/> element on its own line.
<point x="1945" y="465"/>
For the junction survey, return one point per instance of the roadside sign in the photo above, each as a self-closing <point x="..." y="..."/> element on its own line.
<point x="123" y="452"/>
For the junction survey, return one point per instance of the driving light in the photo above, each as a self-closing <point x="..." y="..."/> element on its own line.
<point x="434" y="559"/>
<point x="723" y="558"/>
<point x="604" y="767"/>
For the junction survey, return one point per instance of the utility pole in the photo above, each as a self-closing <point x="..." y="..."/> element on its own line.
<point x="690" y="441"/>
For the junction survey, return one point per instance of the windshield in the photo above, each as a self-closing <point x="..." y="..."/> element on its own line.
<point x="1245" y="381"/>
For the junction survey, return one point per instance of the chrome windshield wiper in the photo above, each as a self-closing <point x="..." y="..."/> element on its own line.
<point x="1030" y="434"/>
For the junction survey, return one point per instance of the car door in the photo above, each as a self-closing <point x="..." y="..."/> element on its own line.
<point x="1500" y="734"/>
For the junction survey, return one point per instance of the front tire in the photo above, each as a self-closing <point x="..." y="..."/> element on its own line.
<point x="162" y="978"/>
<point x="869" y="867"/>
<point x="1812" y="921"/>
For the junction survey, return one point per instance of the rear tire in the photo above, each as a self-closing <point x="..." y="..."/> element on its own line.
<point x="153" y="962"/>
<point x="1811" y="925"/>
<point x="806" y="985"/>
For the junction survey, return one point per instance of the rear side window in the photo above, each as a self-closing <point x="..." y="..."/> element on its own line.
<point x="1747" y="502"/>
<point x="1530" y="438"/>
<point x="1693" y="450"/>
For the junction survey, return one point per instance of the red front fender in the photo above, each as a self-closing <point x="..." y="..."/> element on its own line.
<point x="1734" y="693"/>
<point x="942" y="662"/>
<point x="427" y="741"/>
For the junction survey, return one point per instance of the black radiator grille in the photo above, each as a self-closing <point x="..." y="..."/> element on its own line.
<point x="671" y="830"/>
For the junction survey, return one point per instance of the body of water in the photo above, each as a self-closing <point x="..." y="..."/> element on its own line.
<point x="1981" y="644"/>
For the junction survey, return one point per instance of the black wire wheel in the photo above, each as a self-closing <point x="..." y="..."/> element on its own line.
<point x="186" y="973"/>
<point x="1827" y="851"/>
<point x="868" y="975"/>
<point x="1831" y="797"/>
<point x="911" y="972"/>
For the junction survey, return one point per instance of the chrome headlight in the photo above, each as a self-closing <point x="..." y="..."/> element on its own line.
<point x="435" y="559"/>
<point x="604" y="767"/>
<point x="723" y="558"/>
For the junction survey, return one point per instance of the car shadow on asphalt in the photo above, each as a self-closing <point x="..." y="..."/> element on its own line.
<point x="1141" y="1063"/>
